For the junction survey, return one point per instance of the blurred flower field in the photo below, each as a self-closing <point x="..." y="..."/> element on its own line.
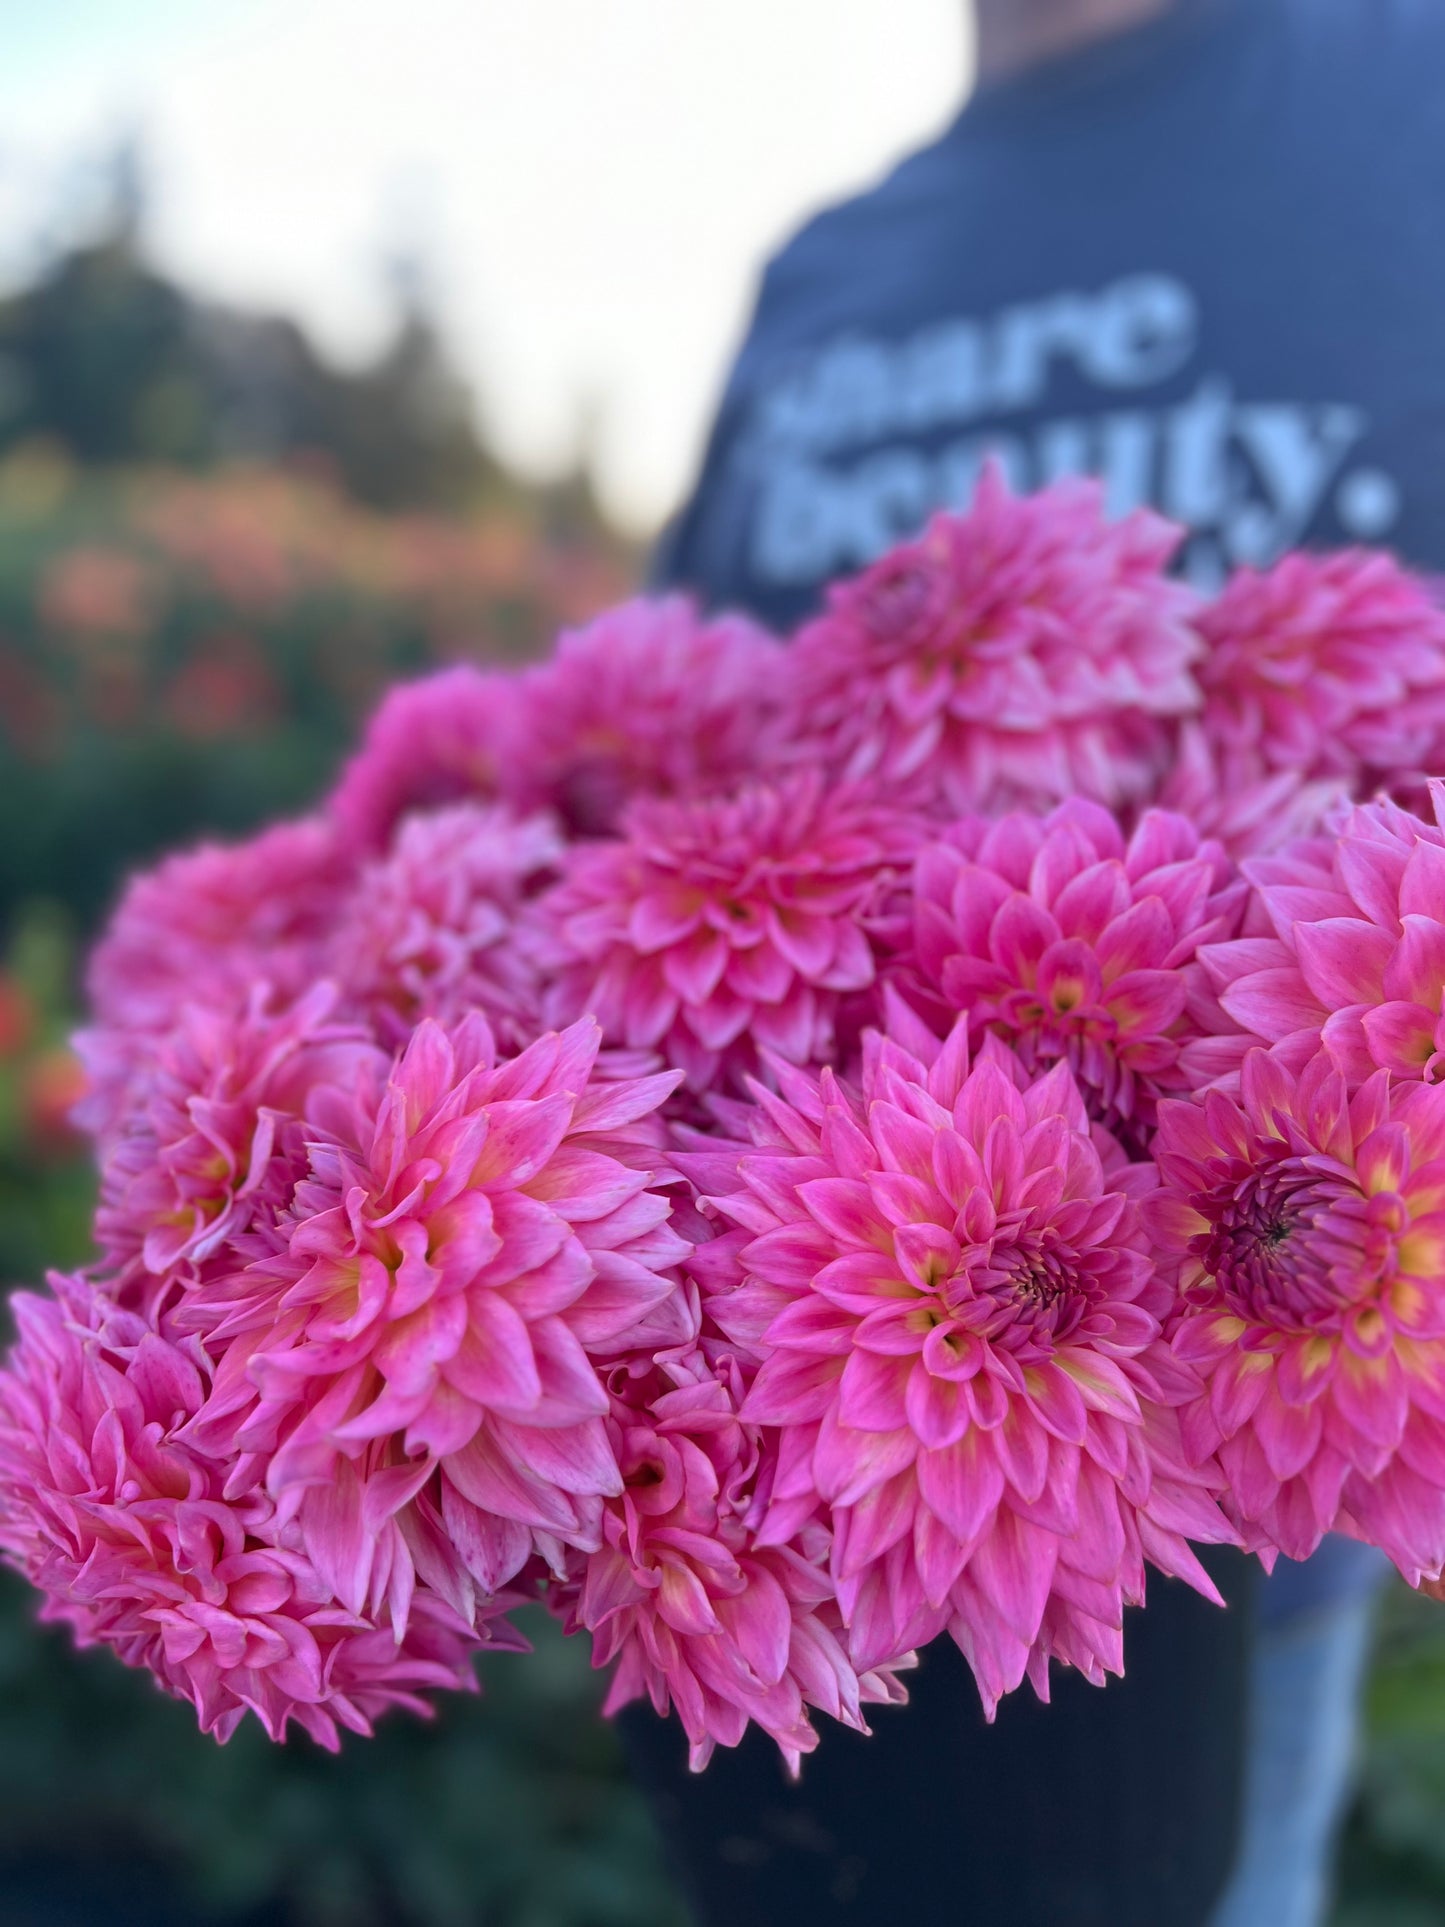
<point x="183" y="652"/>
<point x="187" y="653"/>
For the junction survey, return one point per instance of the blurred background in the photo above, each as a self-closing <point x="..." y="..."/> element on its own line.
<point x="335" y="343"/>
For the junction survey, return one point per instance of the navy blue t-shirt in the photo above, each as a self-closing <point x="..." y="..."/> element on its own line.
<point x="1203" y="260"/>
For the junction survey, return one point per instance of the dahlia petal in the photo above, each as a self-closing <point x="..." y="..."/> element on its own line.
<point x="761" y="1622"/>
<point x="683" y="1603"/>
<point x="1173" y="1556"/>
<point x="484" y="1475"/>
<point x="791" y="1388"/>
<point x="663" y="918"/>
<point x="937" y="1409"/>
<point x="1273" y="1004"/>
<point x="1023" y="1453"/>
<point x="1370" y="1393"/>
<point x="849" y="1464"/>
<point x="939" y="1556"/>
<point x="790" y="1029"/>
<point x="1251" y="1481"/>
<point x="694" y="967"/>
<point x="1290" y="1436"/>
<point x="1101" y="1384"/>
<point x="815" y="1325"/>
<point x="1237" y="1388"/>
<point x="873" y="1392"/>
<point x="843" y="1208"/>
<point x="1013" y="1566"/>
<point x="492" y="1549"/>
<point x="895" y="1328"/>
<point x="338" y="1539"/>
<point x="1304" y="1370"/>
<point x="1343" y="960"/>
<point x="962" y="1485"/>
<point x="876" y="1522"/>
<point x="494" y="1364"/>
<point x="1415" y="966"/>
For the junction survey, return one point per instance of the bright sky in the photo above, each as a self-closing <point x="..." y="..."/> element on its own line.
<point x="593" y="184"/>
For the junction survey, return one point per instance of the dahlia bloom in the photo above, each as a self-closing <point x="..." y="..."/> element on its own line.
<point x="1351" y="949"/>
<point x="206" y="926"/>
<point x="1073" y="943"/>
<point x="713" y="929"/>
<point x="1231" y="800"/>
<point x="127" y="1532"/>
<point x="1327" y="665"/>
<point x="652" y="700"/>
<point x="449" y="738"/>
<point x="213" y="1133"/>
<point x="432" y="929"/>
<point x="471" y="1239"/>
<point x="1020" y="652"/>
<point x="694" y="1614"/>
<point x="1307" y="1229"/>
<point x="949" y="1291"/>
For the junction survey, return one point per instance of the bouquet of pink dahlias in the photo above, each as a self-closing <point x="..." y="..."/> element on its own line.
<point x="780" y="1150"/>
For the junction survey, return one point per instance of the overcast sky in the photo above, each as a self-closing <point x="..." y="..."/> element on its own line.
<point x="592" y="183"/>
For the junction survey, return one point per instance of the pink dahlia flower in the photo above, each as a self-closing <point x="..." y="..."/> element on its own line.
<point x="650" y="699"/>
<point x="1020" y="652"/>
<point x="1247" y="810"/>
<point x="127" y="1532"/>
<point x="449" y="738"/>
<point x="214" y="1134"/>
<point x="1307" y="1227"/>
<point x="951" y="1294"/>
<point x="472" y="1239"/>
<point x="1350" y="947"/>
<point x="717" y="928"/>
<point x="695" y="1614"/>
<point x="1073" y="944"/>
<point x="1328" y="665"/>
<point x="432" y="929"/>
<point x="207" y="926"/>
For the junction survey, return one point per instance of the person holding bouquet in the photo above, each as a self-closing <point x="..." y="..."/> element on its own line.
<point x="845" y="1159"/>
<point x="1186" y="246"/>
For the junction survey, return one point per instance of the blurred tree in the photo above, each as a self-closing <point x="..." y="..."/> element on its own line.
<point x="99" y="354"/>
<point x="111" y="359"/>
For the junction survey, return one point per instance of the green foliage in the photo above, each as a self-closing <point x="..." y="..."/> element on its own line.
<point x="510" y="1810"/>
<point x="46" y="1183"/>
<point x="1392" y="1871"/>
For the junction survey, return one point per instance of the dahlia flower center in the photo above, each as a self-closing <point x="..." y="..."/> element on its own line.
<point x="897" y="602"/>
<point x="1059" y="1018"/>
<point x="1023" y="1288"/>
<point x="1290" y="1247"/>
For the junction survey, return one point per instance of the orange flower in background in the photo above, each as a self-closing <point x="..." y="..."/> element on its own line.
<point x="32" y="712"/>
<point x="224" y="690"/>
<point x="97" y="591"/>
<point x="51" y="1085"/>
<point x="17" y="1017"/>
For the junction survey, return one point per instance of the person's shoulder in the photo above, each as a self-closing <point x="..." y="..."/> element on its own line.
<point x="1410" y="22"/>
<point x="1371" y="36"/>
<point x="884" y="219"/>
<point x="1372" y="65"/>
